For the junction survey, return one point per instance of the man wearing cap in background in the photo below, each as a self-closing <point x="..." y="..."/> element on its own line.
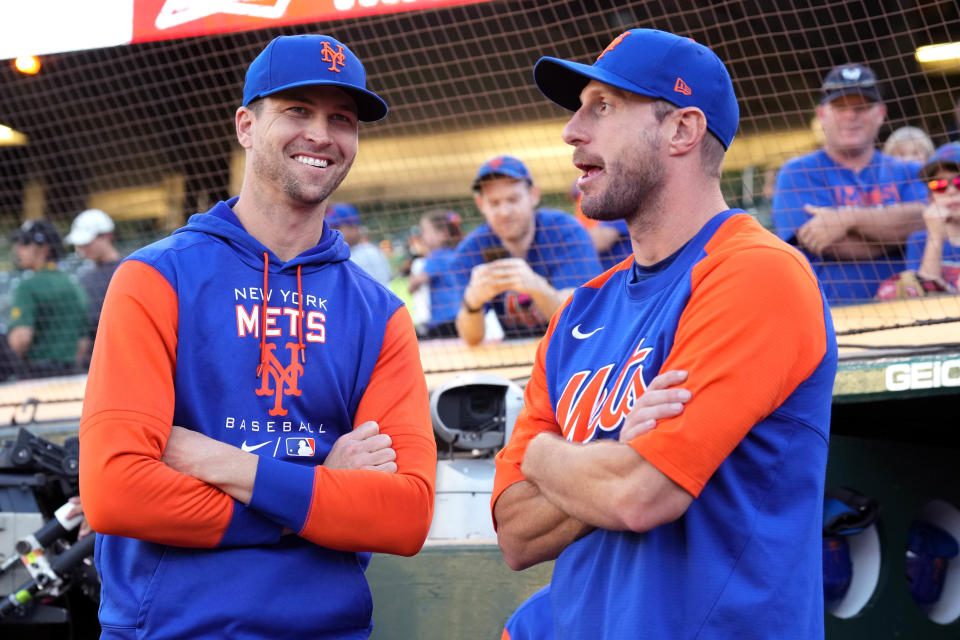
<point x="256" y="418"/>
<point x="848" y="206"/>
<point x="672" y="512"/>
<point x="92" y="235"/>
<point x="47" y="327"/>
<point x="523" y="261"/>
<point x="345" y="218"/>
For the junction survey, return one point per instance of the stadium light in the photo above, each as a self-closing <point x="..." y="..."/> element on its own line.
<point x="939" y="52"/>
<point x="27" y="65"/>
<point x="11" y="137"/>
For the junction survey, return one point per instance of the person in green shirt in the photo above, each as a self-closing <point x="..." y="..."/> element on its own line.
<point x="49" y="317"/>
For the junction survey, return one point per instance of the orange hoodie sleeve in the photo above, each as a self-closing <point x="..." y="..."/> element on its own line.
<point x="127" y="416"/>
<point x="364" y="510"/>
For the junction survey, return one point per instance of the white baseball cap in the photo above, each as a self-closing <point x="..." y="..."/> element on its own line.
<point x="87" y="226"/>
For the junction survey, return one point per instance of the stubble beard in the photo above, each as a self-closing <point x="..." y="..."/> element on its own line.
<point x="309" y="194"/>
<point x="634" y="187"/>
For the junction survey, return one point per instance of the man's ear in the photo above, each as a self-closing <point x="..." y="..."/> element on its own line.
<point x="882" y="108"/>
<point x="244" y="121"/>
<point x="688" y="127"/>
<point x="535" y="195"/>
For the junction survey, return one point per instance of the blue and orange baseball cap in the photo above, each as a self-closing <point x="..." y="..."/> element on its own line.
<point x="945" y="157"/>
<point x="341" y="213"/>
<point x="651" y="63"/>
<point x="307" y="60"/>
<point x="502" y="166"/>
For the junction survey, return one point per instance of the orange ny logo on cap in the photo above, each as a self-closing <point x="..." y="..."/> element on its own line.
<point x="613" y="45"/>
<point x="333" y="57"/>
<point x="682" y="87"/>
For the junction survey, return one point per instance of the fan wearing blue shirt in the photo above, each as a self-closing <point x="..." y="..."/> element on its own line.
<point x="523" y="262"/>
<point x="849" y="207"/>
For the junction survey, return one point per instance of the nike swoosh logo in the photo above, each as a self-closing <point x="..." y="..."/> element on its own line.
<point x="583" y="336"/>
<point x="249" y="448"/>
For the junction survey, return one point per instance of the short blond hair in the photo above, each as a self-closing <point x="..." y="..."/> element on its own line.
<point x="905" y="135"/>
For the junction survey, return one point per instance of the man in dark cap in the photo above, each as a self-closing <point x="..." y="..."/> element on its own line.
<point x="48" y="322"/>
<point x="848" y="206"/>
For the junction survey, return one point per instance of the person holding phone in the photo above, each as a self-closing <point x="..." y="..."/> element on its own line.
<point x="523" y="261"/>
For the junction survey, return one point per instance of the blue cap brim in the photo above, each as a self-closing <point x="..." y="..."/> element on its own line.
<point x="370" y="106"/>
<point x="562" y="81"/>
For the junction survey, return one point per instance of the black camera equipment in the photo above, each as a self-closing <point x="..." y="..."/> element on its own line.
<point x="48" y="585"/>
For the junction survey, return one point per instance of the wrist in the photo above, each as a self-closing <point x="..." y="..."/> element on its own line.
<point x="535" y="449"/>
<point x="468" y="307"/>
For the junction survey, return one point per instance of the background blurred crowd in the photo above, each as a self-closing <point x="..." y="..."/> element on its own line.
<point x="875" y="223"/>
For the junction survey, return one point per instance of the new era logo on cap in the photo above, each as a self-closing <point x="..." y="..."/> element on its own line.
<point x="682" y="87"/>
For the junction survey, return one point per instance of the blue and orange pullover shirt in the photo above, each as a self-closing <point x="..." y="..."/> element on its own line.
<point x="209" y="330"/>
<point x="743" y="314"/>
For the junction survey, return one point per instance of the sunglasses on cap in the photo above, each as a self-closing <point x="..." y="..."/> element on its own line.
<point x="940" y="185"/>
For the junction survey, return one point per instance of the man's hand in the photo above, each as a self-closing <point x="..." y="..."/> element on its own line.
<point x="935" y="218"/>
<point x="224" y="466"/>
<point x="363" y="448"/>
<point x="828" y="226"/>
<point x="507" y="274"/>
<point x="77" y="510"/>
<point x="660" y="400"/>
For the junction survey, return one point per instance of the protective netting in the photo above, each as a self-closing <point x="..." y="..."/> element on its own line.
<point x="146" y="131"/>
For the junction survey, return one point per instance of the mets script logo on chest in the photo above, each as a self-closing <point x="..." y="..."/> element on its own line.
<point x="589" y="402"/>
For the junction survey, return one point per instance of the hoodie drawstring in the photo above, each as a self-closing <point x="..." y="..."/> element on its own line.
<point x="263" y="316"/>
<point x="301" y="349"/>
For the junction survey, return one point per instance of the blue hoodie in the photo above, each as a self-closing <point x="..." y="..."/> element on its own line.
<point x="181" y="344"/>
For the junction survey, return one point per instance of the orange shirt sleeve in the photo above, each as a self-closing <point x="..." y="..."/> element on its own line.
<point x="536" y="416"/>
<point x="355" y="509"/>
<point x="753" y="330"/>
<point x="127" y="416"/>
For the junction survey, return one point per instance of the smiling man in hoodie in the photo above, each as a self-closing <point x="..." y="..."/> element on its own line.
<point x="256" y="418"/>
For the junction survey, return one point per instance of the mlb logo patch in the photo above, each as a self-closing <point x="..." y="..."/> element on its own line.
<point x="301" y="447"/>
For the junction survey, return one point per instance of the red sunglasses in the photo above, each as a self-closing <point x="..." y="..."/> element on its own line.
<point x="939" y="186"/>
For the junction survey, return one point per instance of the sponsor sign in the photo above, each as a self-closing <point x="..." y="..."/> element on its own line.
<point x="51" y="26"/>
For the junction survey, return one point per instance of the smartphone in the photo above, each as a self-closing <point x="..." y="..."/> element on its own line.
<point x="495" y="253"/>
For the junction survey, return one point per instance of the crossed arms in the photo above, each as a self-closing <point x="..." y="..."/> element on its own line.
<point x="572" y="488"/>
<point x="132" y="459"/>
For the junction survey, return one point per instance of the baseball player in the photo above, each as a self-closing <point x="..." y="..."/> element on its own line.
<point x="708" y="524"/>
<point x="256" y="418"/>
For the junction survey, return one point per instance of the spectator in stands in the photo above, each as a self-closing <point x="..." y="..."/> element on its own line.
<point x="436" y="273"/>
<point x="49" y="321"/>
<point x="911" y="144"/>
<point x="848" y="206"/>
<point x="92" y="235"/>
<point x="345" y="218"/>
<point x="933" y="255"/>
<point x="523" y="261"/>
<point x="611" y="238"/>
